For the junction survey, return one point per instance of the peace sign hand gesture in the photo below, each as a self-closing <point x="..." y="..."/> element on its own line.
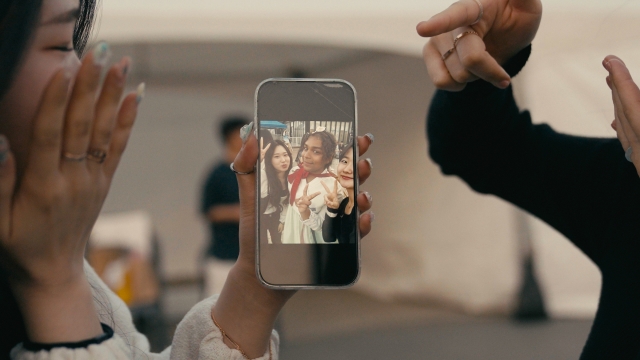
<point x="472" y="39"/>
<point x="263" y="149"/>
<point x="304" y="202"/>
<point x="331" y="199"/>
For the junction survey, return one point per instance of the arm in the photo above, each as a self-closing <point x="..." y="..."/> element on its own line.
<point x="332" y="222"/>
<point x="569" y="182"/>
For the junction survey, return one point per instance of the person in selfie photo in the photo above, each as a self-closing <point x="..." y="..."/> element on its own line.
<point x="303" y="223"/>
<point x="275" y="166"/>
<point x="586" y="188"/>
<point x="63" y="134"/>
<point x="340" y="217"/>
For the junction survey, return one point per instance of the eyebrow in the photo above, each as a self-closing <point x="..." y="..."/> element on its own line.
<point x="66" y="17"/>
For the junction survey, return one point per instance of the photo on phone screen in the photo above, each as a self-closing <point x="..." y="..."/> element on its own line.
<point x="308" y="218"/>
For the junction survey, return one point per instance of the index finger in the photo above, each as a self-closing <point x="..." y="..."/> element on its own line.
<point x="335" y="186"/>
<point x="314" y="195"/>
<point x="627" y="91"/>
<point x="474" y="57"/>
<point x="325" y="187"/>
<point x="461" y="13"/>
<point x="304" y="192"/>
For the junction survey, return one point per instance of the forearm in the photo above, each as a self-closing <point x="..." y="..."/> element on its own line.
<point x="224" y="213"/>
<point x="58" y="314"/>
<point x="247" y="311"/>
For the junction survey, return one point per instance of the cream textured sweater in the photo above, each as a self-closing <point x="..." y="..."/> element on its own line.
<point x="195" y="338"/>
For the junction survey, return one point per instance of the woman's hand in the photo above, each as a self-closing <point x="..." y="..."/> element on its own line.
<point x="626" y="104"/>
<point x="280" y="227"/>
<point x="263" y="149"/>
<point x="246" y="310"/>
<point x="505" y="28"/>
<point x="77" y="140"/>
<point x="304" y="201"/>
<point x="331" y="199"/>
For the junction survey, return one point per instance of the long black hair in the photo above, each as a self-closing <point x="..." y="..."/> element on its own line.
<point x="18" y="20"/>
<point x="275" y="186"/>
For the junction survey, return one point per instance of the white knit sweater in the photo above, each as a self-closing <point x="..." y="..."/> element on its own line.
<point x="195" y="338"/>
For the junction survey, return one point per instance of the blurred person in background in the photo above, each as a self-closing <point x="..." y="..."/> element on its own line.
<point x="220" y="206"/>
<point x="586" y="188"/>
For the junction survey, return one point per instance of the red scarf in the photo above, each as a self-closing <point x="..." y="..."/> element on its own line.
<point x="297" y="176"/>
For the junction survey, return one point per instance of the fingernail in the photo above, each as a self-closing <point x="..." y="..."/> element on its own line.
<point x="613" y="125"/>
<point x="368" y="196"/>
<point x="504" y="84"/>
<point x="245" y="131"/>
<point x="606" y="65"/>
<point x="627" y="154"/>
<point x="140" y="91"/>
<point x="370" y="136"/>
<point x="370" y="163"/>
<point x="372" y="216"/>
<point x="4" y="149"/>
<point x="126" y="67"/>
<point x="101" y="54"/>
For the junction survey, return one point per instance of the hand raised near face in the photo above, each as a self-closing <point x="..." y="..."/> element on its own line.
<point x="263" y="149"/>
<point x="304" y="201"/>
<point x="488" y="32"/>
<point x="331" y="198"/>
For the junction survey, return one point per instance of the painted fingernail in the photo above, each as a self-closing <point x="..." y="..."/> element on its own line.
<point x="606" y="65"/>
<point x="4" y="149"/>
<point x="627" y="154"/>
<point x="126" y="67"/>
<point x="245" y="131"/>
<point x="370" y="136"/>
<point x="140" y="92"/>
<point x="372" y="216"/>
<point x="368" y="196"/>
<point x="101" y="54"/>
<point x="370" y="163"/>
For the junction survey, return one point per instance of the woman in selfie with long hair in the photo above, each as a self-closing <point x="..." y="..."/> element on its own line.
<point x="63" y="134"/>
<point x="340" y="219"/>
<point x="303" y="223"/>
<point x="274" y="191"/>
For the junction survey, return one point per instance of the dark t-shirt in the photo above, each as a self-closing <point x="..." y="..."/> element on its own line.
<point x="221" y="188"/>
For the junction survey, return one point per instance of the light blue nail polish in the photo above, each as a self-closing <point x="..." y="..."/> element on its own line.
<point x="101" y="54"/>
<point x="140" y="92"/>
<point x="368" y="196"/>
<point x="372" y="216"/>
<point x="370" y="163"/>
<point x="370" y="136"/>
<point x="245" y="131"/>
<point x="627" y="154"/>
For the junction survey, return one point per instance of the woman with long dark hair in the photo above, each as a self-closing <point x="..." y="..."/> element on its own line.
<point x="274" y="190"/>
<point x="63" y="134"/>
<point x="340" y="218"/>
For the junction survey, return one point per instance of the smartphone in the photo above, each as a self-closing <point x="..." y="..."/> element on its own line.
<point x="307" y="233"/>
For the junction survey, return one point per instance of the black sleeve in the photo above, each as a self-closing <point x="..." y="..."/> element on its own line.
<point x="331" y="226"/>
<point x="575" y="184"/>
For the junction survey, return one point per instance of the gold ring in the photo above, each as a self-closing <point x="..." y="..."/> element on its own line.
<point x="74" y="157"/>
<point x="455" y="43"/>
<point x="96" y="155"/>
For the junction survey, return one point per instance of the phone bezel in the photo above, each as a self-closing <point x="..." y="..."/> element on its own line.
<point x="256" y="126"/>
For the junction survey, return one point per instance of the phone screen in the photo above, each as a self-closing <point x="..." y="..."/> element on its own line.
<point x="307" y="182"/>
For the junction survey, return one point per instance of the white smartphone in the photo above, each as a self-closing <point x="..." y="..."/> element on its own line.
<point x="307" y="233"/>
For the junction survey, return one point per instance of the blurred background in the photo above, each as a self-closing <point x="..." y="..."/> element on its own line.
<point x="446" y="273"/>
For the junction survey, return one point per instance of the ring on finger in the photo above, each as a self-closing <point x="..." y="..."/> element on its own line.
<point x="74" y="157"/>
<point x="97" y="155"/>
<point x="479" y="14"/>
<point x="455" y="43"/>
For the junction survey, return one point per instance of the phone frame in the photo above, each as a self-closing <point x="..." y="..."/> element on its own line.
<point x="256" y="127"/>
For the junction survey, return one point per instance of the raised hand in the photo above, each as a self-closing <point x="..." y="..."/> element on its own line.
<point x="77" y="141"/>
<point x="505" y="27"/>
<point x="263" y="149"/>
<point x="304" y="202"/>
<point x="331" y="199"/>
<point x="626" y="103"/>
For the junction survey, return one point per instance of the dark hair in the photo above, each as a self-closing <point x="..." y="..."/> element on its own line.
<point x="229" y="124"/>
<point x="18" y="19"/>
<point x="275" y="187"/>
<point x="266" y="136"/>
<point x="328" y="145"/>
<point x="343" y="151"/>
